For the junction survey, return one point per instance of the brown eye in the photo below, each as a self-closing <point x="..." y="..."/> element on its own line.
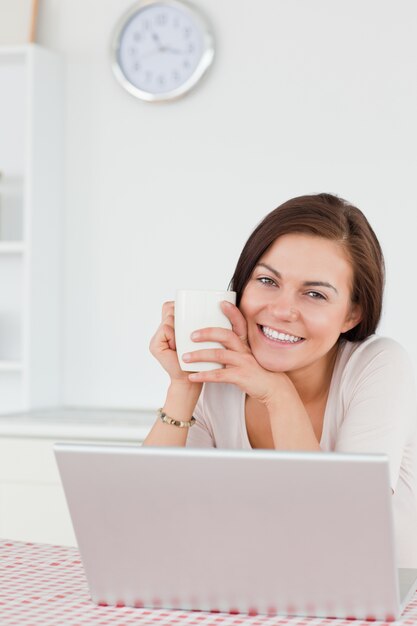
<point x="315" y="295"/>
<point x="264" y="280"/>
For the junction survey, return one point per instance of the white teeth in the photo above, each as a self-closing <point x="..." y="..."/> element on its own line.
<point x="274" y="334"/>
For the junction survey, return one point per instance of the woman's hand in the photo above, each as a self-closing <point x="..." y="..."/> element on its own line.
<point x="241" y="367"/>
<point x="163" y="347"/>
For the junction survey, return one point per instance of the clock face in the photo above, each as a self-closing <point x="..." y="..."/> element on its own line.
<point x="161" y="49"/>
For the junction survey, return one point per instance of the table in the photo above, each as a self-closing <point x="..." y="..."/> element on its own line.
<point x="44" y="585"/>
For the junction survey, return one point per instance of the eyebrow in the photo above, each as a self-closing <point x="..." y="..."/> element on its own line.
<point x="307" y="283"/>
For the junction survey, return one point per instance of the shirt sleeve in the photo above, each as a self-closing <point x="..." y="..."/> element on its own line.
<point x="200" y="435"/>
<point x="380" y="403"/>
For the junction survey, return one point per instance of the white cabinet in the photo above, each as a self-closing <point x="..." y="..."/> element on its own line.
<point x="32" y="500"/>
<point x="31" y="198"/>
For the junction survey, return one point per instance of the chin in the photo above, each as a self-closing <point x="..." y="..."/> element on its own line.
<point x="273" y="364"/>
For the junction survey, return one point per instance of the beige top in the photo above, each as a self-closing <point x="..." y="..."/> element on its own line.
<point x="371" y="407"/>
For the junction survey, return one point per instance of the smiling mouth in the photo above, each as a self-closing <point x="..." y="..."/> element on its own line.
<point x="282" y="338"/>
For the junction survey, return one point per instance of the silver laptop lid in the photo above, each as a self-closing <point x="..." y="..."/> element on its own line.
<point x="248" y="531"/>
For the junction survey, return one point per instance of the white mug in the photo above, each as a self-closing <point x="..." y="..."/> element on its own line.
<point x="196" y="309"/>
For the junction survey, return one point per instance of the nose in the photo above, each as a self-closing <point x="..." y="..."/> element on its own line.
<point x="284" y="308"/>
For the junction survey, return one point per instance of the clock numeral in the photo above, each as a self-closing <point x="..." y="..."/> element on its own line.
<point x="137" y="36"/>
<point x="148" y="76"/>
<point x="161" y="80"/>
<point x="146" y="24"/>
<point x="176" y="76"/>
<point x="186" y="63"/>
<point x="136" y="67"/>
<point x="191" y="48"/>
<point x="161" y="19"/>
<point x="176" y="22"/>
<point x="187" y="32"/>
<point x="132" y="51"/>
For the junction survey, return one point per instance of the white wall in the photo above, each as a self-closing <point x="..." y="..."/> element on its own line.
<point x="303" y="97"/>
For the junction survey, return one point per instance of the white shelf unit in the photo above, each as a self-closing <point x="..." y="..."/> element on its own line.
<point x="31" y="199"/>
<point x="11" y="247"/>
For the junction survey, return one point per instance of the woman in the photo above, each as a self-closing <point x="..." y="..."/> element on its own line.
<point x="304" y="369"/>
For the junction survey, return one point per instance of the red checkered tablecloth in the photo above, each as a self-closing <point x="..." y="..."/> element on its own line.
<point x="43" y="585"/>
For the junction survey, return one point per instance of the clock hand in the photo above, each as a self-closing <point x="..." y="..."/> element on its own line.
<point x="157" y="40"/>
<point x="161" y="47"/>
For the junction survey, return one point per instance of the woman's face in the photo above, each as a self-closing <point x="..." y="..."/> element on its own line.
<point x="298" y="301"/>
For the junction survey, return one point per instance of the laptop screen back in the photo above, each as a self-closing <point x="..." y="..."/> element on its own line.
<point x="248" y="531"/>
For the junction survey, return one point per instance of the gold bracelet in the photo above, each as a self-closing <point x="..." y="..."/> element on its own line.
<point x="170" y="420"/>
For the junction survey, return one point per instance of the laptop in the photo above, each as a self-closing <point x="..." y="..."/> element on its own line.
<point x="257" y="532"/>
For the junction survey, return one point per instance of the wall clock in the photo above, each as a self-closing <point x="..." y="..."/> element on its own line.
<point x="161" y="49"/>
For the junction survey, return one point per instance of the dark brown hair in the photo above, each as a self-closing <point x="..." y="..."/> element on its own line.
<point x="331" y="217"/>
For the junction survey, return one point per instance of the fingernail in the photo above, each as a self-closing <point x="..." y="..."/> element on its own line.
<point x="186" y="356"/>
<point x="193" y="377"/>
<point x="195" y="335"/>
